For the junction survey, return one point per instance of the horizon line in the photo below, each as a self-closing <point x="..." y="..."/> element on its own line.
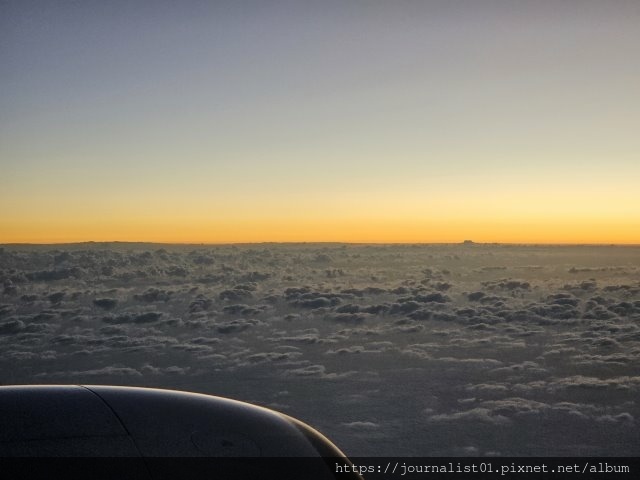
<point x="267" y="242"/>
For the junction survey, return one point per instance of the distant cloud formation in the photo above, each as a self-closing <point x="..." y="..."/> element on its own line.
<point x="396" y="341"/>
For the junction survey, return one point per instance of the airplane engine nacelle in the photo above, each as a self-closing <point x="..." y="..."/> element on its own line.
<point x="157" y="434"/>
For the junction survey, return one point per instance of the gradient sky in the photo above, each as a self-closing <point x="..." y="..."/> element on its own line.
<point x="362" y="121"/>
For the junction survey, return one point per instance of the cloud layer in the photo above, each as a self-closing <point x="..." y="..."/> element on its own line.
<point x="389" y="350"/>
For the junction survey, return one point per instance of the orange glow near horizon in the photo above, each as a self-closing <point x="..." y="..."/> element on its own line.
<point x="421" y="212"/>
<point x="310" y="231"/>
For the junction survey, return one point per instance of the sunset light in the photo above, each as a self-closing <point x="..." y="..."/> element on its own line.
<point x="214" y="122"/>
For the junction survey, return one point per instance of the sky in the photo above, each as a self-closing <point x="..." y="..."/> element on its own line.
<point x="349" y="121"/>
